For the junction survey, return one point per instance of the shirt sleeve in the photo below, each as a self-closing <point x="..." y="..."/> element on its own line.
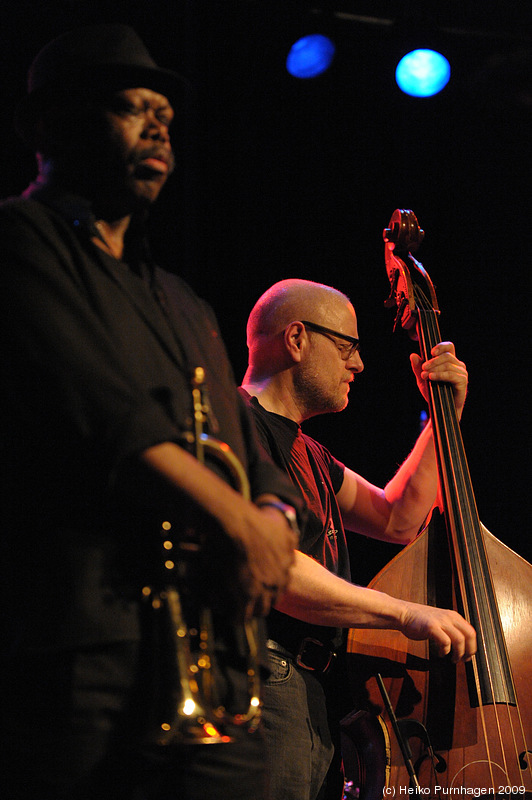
<point x="335" y="468"/>
<point x="265" y="476"/>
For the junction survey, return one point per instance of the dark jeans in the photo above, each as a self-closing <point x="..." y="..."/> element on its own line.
<point x="300" y="747"/>
<point x="70" y="730"/>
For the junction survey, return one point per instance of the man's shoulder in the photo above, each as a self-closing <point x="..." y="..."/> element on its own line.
<point x="171" y="281"/>
<point x="276" y="432"/>
<point x="24" y="210"/>
<point x="257" y="411"/>
<point x="23" y="221"/>
<point x="178" y="290"/>
<point x="268" y="417"/>
<point x="16" y="204"/>
<point x="322" y="455"/>
<point x="317" y="447"/>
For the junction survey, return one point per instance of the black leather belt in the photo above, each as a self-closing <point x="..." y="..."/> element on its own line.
<point x="311" y="654"/>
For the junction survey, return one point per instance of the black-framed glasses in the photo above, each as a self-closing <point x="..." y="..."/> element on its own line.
<point x="346" y="350"/>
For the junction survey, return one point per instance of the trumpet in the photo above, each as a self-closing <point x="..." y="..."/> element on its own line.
<point x="195" y="716"/>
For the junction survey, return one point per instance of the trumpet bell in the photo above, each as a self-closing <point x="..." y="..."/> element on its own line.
<point x="187" y="730"/>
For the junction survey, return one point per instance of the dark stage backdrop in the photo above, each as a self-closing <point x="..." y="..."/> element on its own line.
<point x="283" y="178"/>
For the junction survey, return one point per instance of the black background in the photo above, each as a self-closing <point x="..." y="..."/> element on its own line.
<point x="283" y="178"/>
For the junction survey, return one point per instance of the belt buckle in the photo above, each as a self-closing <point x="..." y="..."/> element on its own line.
<point x="315" y="651"/>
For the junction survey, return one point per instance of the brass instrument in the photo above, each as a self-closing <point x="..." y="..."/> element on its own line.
<point x="196" y="718"/>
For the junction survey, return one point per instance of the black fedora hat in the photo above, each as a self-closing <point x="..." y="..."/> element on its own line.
<point x="92" y="57"/>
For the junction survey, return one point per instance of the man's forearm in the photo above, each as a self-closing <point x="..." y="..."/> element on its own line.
<point x="317" y="596"/>
<point x="178" y="468"/>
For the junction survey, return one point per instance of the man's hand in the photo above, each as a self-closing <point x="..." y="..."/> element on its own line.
<point x="443" y="366"/>
<point x="448" y="631"/>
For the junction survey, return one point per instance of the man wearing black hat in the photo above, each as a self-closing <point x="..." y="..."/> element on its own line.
<point x="99" y="345"/>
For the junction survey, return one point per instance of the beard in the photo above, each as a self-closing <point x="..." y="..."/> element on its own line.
<point x="314" y="393"/>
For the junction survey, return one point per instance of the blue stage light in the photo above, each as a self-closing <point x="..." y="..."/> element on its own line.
<point x="310" y="56"/>
<point x="422" y="73"/>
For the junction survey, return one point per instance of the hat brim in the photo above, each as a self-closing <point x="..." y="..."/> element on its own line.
<point x="109" y="78"/>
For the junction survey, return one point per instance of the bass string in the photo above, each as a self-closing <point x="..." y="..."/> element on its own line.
<point x="403" y="283"/>
<point x="442" y="419"/>
<point x="442" y="408"/>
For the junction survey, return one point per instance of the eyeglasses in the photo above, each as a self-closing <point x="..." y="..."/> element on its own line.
<point x="346" y="350"/>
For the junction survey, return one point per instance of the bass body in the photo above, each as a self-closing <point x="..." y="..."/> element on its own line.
<point x="454" y="744"/>
<point x="464" y="729"/>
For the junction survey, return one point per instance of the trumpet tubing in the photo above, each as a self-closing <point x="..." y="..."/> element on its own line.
<point x="195" y="716"/>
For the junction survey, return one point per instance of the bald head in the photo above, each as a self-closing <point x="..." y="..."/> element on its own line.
<point x="293" y="369"/>
<point x="290" y="300"/>
<point x="283" y="303"/>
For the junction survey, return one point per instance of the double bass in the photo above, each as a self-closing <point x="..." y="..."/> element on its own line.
<point x="443" y="729"/>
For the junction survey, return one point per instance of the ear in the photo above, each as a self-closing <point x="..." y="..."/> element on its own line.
<point x="294" y="340"/>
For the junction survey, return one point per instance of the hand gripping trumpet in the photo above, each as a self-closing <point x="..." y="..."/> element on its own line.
<point x="195" y="716"/>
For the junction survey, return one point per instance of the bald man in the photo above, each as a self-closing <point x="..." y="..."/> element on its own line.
<point x="303" y="356"/>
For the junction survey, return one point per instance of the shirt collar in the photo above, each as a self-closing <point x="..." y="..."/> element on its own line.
<point x="77" y="211"/>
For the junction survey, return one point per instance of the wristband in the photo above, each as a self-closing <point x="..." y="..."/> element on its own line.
<point x="287" y="511"/>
